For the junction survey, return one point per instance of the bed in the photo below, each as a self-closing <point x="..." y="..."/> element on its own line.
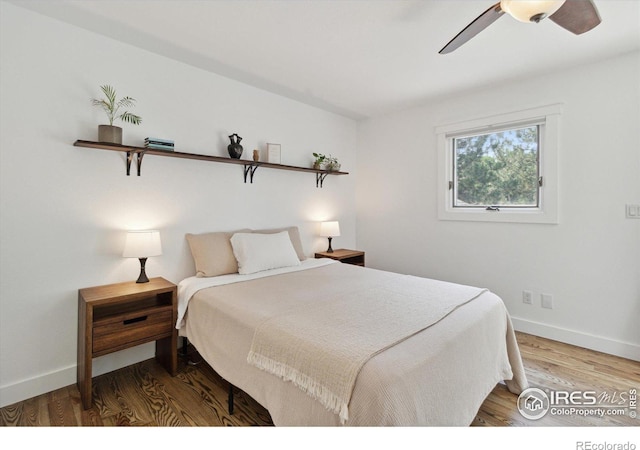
<point x="322" y="343"/>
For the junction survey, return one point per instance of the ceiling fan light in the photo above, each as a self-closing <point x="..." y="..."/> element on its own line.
<point x="530" y="10"/>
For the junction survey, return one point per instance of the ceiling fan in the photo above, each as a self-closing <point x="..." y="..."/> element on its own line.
<point x="577" y="16"/>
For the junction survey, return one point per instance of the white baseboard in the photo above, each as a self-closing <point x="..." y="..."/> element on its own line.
<point x="66" y="376"/>
<point x="33" y="387"/>
<point x="585" y="340"/>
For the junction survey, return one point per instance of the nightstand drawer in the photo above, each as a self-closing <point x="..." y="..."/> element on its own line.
<point x="124" y="330"/>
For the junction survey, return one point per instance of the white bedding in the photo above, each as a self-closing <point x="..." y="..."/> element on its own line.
<point x="439" y="376"/>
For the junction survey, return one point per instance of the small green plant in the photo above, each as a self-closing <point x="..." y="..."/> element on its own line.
<point x="112" y="107"/>
<point x="319" y="159"/>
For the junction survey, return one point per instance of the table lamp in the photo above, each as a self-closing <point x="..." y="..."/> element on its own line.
<point x="329" y="230"/>
<point x="141" y="245"/>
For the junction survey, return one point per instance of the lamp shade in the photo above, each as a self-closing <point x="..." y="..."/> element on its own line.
<point x="530" y="10"/>
<point x="329" y="229"/>
<point x="142" y="244"/>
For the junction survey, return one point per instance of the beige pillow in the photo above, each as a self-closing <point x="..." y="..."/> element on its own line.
<point x="212" y="253"/>
<point x="294" y="235"/>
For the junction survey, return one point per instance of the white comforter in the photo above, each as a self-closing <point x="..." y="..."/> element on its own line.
<point x="439" y="376"/>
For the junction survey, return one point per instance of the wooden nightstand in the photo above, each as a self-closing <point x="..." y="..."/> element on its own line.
<point x="118" y="316"/>
<point x="354" y="257"/>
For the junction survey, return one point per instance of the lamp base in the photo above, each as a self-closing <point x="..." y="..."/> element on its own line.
<point x="329" y="250"/>
<point x="143" y="276"/>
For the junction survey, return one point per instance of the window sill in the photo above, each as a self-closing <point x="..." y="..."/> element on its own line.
<point x="533" y="215"/>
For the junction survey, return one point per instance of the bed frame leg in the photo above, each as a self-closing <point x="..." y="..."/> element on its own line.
<point x="185" y="353"/>
<point x="185" y="344"/>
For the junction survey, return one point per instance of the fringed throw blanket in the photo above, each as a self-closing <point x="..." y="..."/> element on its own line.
<point x="321" y="348"/>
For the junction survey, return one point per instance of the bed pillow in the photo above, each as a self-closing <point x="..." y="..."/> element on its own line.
<point x="256" y="252"/>
<point x="294" y="235"/>
<point x="212" y="253"/>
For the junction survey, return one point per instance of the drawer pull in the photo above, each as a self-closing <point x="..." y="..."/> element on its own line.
<point x="137" y="319"/>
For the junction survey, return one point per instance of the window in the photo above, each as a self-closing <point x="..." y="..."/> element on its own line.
<point x="497" y="169"/>
<point x="501" y="168"/>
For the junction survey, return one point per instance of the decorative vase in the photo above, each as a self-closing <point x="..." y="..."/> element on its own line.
<point x="110" y="134"/>
<point x="256" y="155"/>
<point x="235" y="149"/>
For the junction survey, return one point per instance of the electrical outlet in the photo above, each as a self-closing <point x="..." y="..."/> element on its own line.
<point x="527" y="297"/>
<point x="633" y="211"/>
<point x="547" y="301"/>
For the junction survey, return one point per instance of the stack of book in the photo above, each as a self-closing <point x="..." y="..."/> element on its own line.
<point x="159" y="144"/>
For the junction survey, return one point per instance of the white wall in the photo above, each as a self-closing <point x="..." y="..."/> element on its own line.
<point x="590" y="262"/>
<point x="64" y="209"/>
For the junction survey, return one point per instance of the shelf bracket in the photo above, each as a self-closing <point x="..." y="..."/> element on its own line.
<point x="139" y="161"/>
<point x="250" y="169"/>
<point x="129" y="158"/>
<point x="320" y="176"/>
<point x="139" y="156"/>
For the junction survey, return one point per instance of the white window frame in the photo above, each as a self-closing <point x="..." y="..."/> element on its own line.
<point x="547" y="209"/>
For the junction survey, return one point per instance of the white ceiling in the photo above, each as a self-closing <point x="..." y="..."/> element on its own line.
<point x="359" y="58"/>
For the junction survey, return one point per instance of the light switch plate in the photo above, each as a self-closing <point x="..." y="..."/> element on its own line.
<point x="633" y="211"/>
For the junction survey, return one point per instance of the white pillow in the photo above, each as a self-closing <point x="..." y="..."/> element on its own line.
<point x="256" y="252"/>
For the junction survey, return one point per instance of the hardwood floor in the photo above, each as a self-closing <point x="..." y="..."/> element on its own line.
<point x="144" y="394"/>
<point x="555" y="366"/>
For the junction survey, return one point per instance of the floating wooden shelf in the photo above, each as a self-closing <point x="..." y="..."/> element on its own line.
<point x="249" y="166"/>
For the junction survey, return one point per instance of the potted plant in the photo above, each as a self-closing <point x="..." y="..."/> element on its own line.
<point x="320" y="162"/>
<point x="333" y="164"/>
<point x="112" y="107"/>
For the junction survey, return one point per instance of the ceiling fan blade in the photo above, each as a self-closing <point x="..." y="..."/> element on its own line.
<point x="577" y="16"/>
<point x="480" y="23"/>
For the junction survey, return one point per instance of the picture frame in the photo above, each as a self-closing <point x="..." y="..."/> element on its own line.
<point x="274" y="154"/>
